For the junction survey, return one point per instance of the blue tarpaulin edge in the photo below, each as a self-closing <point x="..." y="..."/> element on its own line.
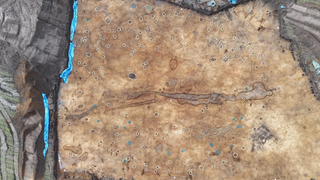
<point x="74" y="20"/>
<point x="233" y="1"/>
<point x="46" y="124"/>
<point x="65" y="74"/>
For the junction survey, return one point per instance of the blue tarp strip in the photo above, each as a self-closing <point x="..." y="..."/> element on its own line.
<point x="233" y="1"/>
<point x="74" y="20"/>
<point x="46" y="124"/>
<point x="65" y="74"/>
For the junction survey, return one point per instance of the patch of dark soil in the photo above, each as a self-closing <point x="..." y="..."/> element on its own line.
<point x="203" y="8"/>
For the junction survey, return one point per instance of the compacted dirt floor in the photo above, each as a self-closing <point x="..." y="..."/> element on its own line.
<point x="161" y="92"/>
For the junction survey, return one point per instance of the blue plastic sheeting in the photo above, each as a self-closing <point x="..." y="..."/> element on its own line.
<point x="211" y="3"/>
<point x="282" y="7"/>
<point x="65" y="74"/>
<point x="74" y="20"/>
<point x="46" y="124"/>
<point x="233" y="1"/>
<point x="316" y="66"/>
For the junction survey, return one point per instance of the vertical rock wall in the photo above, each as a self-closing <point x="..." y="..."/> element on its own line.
<point x="34" y="39"/>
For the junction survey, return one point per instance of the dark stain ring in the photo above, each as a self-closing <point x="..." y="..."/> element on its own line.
<point x="132" y="76"/>
<point x="173" y="64"/>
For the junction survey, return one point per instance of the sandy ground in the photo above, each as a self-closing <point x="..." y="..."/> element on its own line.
<point x="165" y="93"/>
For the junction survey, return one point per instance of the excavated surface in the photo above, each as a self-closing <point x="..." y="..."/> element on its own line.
<point x="166" y="93"/>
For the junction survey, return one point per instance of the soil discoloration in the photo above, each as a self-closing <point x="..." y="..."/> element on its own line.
<point x="260" y="137"/>
<point x="74" y="149"/>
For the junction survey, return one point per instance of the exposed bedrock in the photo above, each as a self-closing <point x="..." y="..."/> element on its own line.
<point x="34" y="40"/>
<point x="302" y="27"/>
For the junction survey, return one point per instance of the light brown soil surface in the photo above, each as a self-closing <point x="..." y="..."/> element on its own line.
<point x="189" y="82"/>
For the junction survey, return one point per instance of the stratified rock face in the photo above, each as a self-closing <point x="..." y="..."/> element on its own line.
<point x="49" y="46"/>
<point x="9" y="99"/>
<point x="301" y="26"/>
<point x="36" y="31"/>
<point x="18" y="21"/>
<point x="10" y="57"/>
